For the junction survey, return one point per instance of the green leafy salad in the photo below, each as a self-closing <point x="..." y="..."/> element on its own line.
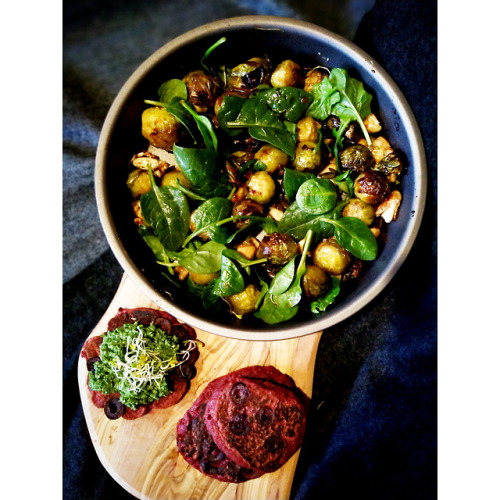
<point x="134" y="361"/>
<point x="264" y="186"/>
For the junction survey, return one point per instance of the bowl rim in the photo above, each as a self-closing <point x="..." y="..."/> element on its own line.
<point x="284" y="331"/>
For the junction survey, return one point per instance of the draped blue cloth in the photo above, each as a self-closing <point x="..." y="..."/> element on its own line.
<point x="372" y="429"/>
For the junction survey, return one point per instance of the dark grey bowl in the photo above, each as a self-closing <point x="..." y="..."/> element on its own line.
<point x="279" y="38"/>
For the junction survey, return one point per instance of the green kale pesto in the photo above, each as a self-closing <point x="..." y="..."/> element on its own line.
<point x="134" y="360"/>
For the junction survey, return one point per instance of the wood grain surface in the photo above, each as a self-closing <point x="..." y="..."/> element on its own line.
<point x="141" y="455"/>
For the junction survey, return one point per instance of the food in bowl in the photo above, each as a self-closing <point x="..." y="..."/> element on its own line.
<point x="264" y="186"/>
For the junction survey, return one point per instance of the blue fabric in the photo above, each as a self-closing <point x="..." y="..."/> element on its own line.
<point x="372" y="427"/>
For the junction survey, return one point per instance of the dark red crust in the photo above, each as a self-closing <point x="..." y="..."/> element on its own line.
<point x="145" y="316"/>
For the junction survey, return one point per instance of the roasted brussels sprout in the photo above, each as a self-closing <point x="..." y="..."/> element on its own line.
<point x="246" y="207"/>
<point x="261" y="187"/>
<point x="307" y="157"/>
<point x="314" y="282"/>
<point x="161" y="128"/>
<point x="313" y="77"/>
<point x="287" y="74"/>
<point x="245" y="301"/>
<point x="371" y="187"/>
<point x="331" y="257"/>
<point x="273" y="158"/>
<point x="278" y="248"/>
<point x="138" y="182"/>
<point x="249" y="75"/>
<point x="307" y="130"/>
<point x="202" y="90"/>
<point x="171" y="178"/>
<point x="359" y="209"/>
<point x="356" y="158"/>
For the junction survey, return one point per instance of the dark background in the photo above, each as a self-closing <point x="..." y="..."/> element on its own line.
<point x="372" y="431"/>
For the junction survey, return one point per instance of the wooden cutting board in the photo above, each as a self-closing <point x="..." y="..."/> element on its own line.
<point x="141" y="455"/>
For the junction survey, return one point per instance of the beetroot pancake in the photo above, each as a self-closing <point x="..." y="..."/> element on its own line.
<point x="256" y="423"/>
<point x="179" y="378"/>
<point x="198" y="448"/>
<point x="244" y="424"/>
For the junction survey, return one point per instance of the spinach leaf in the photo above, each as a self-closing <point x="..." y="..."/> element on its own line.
<point x="154" y="244"/>
<point x="205" y="57"/>
<point x="292" y="180"/>
<point x="166" y="210"/>
<point x="263" y="124"/>
<point x="205" y="293"/>
<point x="321" y="303"/>
<point x="354" y="103"/>
<point x="291" y="102"/>
<point x="280" y="138"/>
<point x="283" y="279"/>
<point x="171" y="90"/>
<point x="316" y="196"/>
<point x="204" y="260"/>
<point x="345" y="183"/>
<point x="325" y="97"/>
<point x="208" y="214"/>
<point x="230" y="280"/>
<point x="204" y="126"/>
<point x="229" y="110"/>
<point x="355" y="236"/>
<point x="271" y="314"/>
<point x="203" y="169"/>
<point x="296" y="222"/>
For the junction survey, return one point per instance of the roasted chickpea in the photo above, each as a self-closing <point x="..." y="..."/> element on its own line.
<point x="261" y="187"/>
<point x="202" y="90"/>
<point x="138" y="182"/>
<point x="278" y="248"/>
<point x="246" y="207"/>
<point x="314" y="282"/>
<point x="356" y="158"/>
<point x="245" y="301"/>
<point x="313" y="77"/>
<point x="331" y="257"/>
<point x="307" y="130"/>
<point x="171" y="178"/>
<point x="272" y="157"/>
<point x="359" y="209"/>
<point x="160" y="128"/>
<point x="371" y="187"/>
<point x="306" y="158"/>
<point x="287" y="74"/>
<point x="202" y="278"/>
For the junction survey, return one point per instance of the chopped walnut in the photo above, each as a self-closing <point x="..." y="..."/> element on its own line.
<point x="388" y="209"/>
<point x="380" y="148"/>
<point x="136" y="208"/>
<point x="372" y="124"/>
<point x="144" y="158"/>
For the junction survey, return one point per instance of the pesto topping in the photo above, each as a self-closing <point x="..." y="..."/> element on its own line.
<point x="134" y="361"/>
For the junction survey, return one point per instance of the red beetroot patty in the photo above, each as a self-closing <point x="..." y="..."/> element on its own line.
<point x="181" y="376"/>
<point x="257" y="423"/>
<point x="196" y="445"/>
<point x="267" y="432"/>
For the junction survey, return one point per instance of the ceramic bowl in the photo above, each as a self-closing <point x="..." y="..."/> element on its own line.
<point x="279" y="39"/>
